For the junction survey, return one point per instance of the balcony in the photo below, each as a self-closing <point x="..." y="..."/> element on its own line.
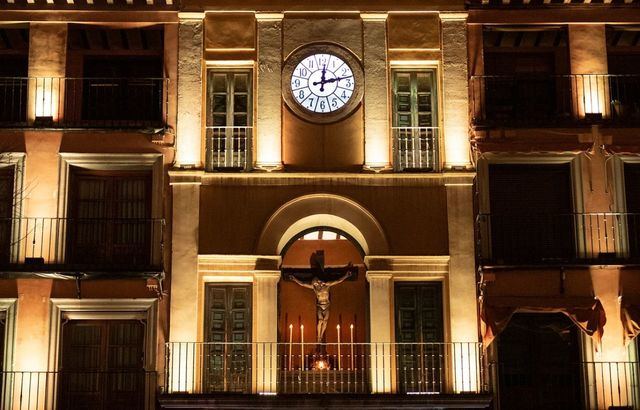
<point x="228" y="148"/>
<point x="415" y="148"/>
<point x="434" y="371"/>
<point x="68" y="390"/>
<point x="588" y="385"/>
<point x="547" y="239"/>
<point x="555" y="100"/>
<point x="81" y="245"/>
<point x="57" y="102"/>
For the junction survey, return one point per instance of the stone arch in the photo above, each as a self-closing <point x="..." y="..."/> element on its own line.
<point x="322" y="210"/>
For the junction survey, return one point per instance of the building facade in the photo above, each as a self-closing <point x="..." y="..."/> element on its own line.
<point x="553" y="128"/>
<point x="331" y="138"/>
<point x="86" y="137"/>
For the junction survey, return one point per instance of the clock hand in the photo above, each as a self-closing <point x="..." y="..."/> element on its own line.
<point x="322" y="78"/>
<point x="331" y="80"/>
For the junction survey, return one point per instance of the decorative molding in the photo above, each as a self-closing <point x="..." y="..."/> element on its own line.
<point x="408" y="267"/>
<point x="453" y="16"/>
<point x="374" y="16"/>
<point x="191" y="16"/>
<point x="269" y="16"/>
<point x="9" y="306"/>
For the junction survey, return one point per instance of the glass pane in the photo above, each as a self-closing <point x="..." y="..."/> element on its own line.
<point x="240" y="120"/>
<point x="219" y="83"/>
<point x="241" y="83"/>
<point x="220" y="103"/>
<point x="240" y="103"/>
<point x="424" y="82"/>
<point x="403" y="82"/>
<point x="424" y="102"/>
<point x="219" y="120"/>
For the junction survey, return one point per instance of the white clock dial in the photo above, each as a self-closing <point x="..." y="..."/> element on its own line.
<point x="322" y="83"/>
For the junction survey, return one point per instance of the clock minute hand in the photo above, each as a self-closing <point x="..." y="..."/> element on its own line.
<point x="331" y="80"/>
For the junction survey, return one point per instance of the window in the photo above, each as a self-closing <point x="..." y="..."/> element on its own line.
<point x="228" y="133"/>
<point x="109" y="221"/>
<point x="414" y="120"/>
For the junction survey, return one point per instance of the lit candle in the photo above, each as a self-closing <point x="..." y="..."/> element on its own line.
<point x="302" y="345"/>
<point x="338" y="330"/>
<point x="352" y="358"/>
<point x="290" y="346"/>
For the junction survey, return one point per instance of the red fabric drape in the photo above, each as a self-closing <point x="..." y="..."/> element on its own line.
<point x="630" y="317"/>
<point x="587" y="313"/>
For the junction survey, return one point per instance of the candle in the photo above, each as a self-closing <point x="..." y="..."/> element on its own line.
<point x="352" y="359"/>
<point x="302" y="345"/>
<point x="290" y="346"/>
<point x="338" y="330"/>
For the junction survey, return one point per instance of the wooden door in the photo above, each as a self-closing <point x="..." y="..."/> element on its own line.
<point x="109" y="218"/>
<point x="102" y="365"/>
<point x="420" y="333"/>
<point x="538" y="363"/>
<point x="227" y="353"/>
<point x="632" y="192"/>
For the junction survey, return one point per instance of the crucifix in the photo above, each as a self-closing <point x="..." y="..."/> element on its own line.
<point x="320" y="287"/>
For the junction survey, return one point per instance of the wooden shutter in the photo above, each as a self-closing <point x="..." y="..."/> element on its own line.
<point x="228" y="331"/>
<point x="531" y="212"/>
<point x="102" y="365"/>
<point x="110" y="218"/>
<point x="419" y="330"/>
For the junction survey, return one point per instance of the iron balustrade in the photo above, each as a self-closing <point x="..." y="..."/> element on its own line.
<point x="588" y="384"/>
<point x="415" y="148"/>
<point x="70" y="390"/>
<point x="517" y="238"/>
<point x="76" y="245"/>
<point x="62" y="102"/>
<point x="348" y="368"/>
<point x="542" y="100"/>
<point x="228" y="148"/>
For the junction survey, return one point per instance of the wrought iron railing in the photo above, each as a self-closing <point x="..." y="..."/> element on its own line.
<point x="555" y="100"/>
<point x="64" y="244"/>
<point x="228" y="148"/>
<point x="415" y="148"/>
<point x="348" y="368"/>
<point x="70" y="390"/>
<point x="584" y="385"/>
<point x="520" y="238"/>
<point x="61" y="102"/>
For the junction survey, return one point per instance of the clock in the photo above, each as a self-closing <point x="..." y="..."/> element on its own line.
<point x="322" y="82"/>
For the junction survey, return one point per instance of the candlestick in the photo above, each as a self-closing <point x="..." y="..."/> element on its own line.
<point x="352" y="358"/>
<point x="302" y="346"/>
<point x="338" y="330"/>
<point x="290" y="347"/>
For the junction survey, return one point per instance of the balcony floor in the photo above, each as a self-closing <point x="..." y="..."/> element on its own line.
<point x="324" y="401"/>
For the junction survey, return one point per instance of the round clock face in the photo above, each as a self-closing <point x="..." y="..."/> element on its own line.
<point x="322" y="82"/>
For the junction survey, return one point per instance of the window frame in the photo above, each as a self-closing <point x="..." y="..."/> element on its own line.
<point x="433" y="70"/>
<point x="232" y="158"/>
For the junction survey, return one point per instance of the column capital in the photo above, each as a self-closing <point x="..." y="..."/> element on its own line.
<point x="267" y="275"/>
<point x="269" y="16"/>
<point x="454" y="16"/>
<point x="374" y="16"/>
<point x="373" y="275"/>
<point x="191" y="16"/>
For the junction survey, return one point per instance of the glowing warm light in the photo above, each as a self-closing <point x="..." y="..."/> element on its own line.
<point x="321" y="364"/>
<point x="592" y="94"/>
<point x="46" y="93"/>
<point x="188" y="143"/>
<point x="456" y="146"/>
<point x="377" y="149"/>
<point x="466" y="369"/>
<point x="268" y="146"/>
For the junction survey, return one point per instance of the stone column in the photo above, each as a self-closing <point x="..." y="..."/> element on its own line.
<point x="381" y="333"/>
<point x="268" y="136"/>
<point x="463" y="311"/>
<point x="377" y="148"/>
<point x="588" y="57"/>
<point x="266" y="338"/>
<point x="47" y="68"/>
<point x="183" y="326"/>
<point x="455" y="90"/>
<point x="189" y="121"/>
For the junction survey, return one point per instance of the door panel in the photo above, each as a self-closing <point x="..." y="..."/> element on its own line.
<point x="102" y="365"/>
<point x="227" y="364"/>
<point x="6" y="211"/>
<point x="419" y="332"/>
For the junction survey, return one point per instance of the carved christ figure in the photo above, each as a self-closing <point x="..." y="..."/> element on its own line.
<point x="323" y="300"/>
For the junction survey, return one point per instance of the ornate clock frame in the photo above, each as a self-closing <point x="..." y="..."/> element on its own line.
<point x="305" y="51"/>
